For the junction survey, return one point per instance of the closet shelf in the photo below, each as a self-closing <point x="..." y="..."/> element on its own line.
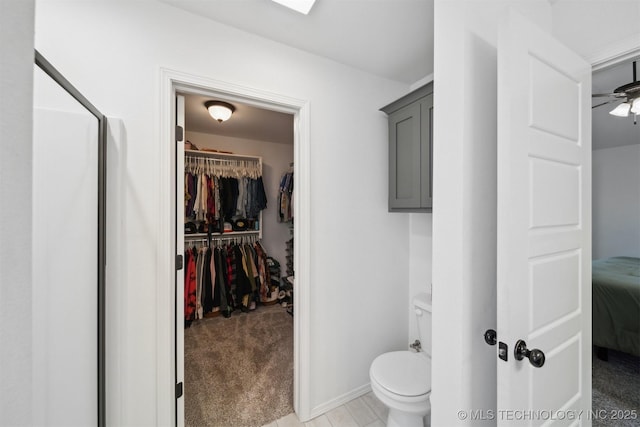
<point x="230" y="233"/>
<point x="216" y="155"/>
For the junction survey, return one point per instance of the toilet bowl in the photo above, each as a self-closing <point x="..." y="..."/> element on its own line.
<point x="401" y="380"/>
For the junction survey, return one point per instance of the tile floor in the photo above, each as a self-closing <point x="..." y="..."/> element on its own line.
<point x="365" y="411"/>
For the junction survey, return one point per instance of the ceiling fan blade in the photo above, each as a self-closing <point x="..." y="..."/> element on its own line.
<point x="616" y="94"/>
<point x="605" y="103"/>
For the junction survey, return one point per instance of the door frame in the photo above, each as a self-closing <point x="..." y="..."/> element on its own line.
<point x="172" y="81"/>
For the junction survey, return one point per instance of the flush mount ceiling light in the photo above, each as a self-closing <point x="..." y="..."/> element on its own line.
<point x="302" y="6"/>
<point x="220" y="110"/>
<point x="631" y="95"/>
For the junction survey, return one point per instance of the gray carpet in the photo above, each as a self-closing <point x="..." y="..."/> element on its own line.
<point x="239" y="371"/>
<point x="616" y="390"/>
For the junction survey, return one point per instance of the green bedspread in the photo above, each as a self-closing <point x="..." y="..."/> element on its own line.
<point x="616" y="304"/>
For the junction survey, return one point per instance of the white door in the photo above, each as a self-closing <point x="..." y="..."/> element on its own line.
<point x="544" y="227"/>
<point x="180" y="272"/>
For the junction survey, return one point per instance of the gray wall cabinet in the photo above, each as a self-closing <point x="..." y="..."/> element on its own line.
<point x="410" y="151"/>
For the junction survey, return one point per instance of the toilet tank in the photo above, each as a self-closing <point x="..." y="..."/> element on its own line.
<point x="422" y="308"/>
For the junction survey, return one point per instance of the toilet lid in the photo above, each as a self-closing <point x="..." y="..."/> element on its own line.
<point x="403" y="372"/>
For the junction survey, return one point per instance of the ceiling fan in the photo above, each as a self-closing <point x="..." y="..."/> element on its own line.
<point x="631" y="95"/>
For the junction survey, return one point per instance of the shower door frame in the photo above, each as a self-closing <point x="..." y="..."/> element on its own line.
<point x="57" y="77"/>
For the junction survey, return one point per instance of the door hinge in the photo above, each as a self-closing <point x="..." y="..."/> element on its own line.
<point x="179" y="262"/>
<point x="179" y="133"/>
<point x="178" y="390"/>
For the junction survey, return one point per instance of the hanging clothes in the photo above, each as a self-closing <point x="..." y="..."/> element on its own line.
<point x="285" y="198"/>
<point x="225" y="278"/>
<point x="220" y="189"/>
<point x="263" y="272"/>
<point x="190" y="279"/>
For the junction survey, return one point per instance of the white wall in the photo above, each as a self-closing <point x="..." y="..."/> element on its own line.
<point x="276" y="159"/>
<point x="420" y="249"/>
<point x="616" y="202"/>
<point x="113" y="51"/>
<point x="16" y="87"/>
<point x="464" y="217"/>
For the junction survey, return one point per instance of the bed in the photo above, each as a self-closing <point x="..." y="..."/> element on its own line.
<point x="616" y="305"/>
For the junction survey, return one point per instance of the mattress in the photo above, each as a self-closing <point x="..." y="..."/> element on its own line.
<point x="616" y="304"/>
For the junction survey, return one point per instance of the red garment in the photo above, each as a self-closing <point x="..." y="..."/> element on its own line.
<point x="190" y="287"/>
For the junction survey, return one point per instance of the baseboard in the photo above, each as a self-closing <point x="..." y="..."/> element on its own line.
<point x="340" y="400"/>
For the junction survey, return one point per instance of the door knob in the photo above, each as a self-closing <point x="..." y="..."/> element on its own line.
<point x="490" y="337"/>
<point x="535" y="356"/>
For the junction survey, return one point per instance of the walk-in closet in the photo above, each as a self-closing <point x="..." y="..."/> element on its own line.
<point x="235" y="197"/>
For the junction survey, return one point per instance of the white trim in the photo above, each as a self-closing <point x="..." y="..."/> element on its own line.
<point x="165" y="300"/>
<point x="615" y="53"/>
<point x="340" y="400"/>
<point x="302" y="263"/>
<point x="171" y="81"/>
<point x="423" y="81"/>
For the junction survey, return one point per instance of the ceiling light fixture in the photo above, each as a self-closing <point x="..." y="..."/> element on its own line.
<point x="635" y="107"/>
<point x="621" y="110"/>
<point x="302" y="6"/>
<point x="220" y="110"/>
<point x="630" y="93"/>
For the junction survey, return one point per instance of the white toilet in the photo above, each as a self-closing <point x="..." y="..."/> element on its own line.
<point x="402" y="379"/>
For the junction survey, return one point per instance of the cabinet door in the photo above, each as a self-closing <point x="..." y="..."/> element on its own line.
<point x="426" y="151"/>
<point x="404" y="158"/>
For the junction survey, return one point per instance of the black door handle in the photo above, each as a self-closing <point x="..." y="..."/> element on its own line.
<point x="490" y="337"/>
<point x="536" y="357"/>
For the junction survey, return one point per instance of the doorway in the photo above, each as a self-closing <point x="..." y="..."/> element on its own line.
<point x="615" y="241"/>
<point x="238" y="262"/>
<point x="170" y="374"/>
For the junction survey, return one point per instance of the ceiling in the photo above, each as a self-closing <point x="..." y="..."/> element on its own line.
<point x="357" y="33"/>
<point x="247" y="122"/>
<point x="388" y="38"/>
<point x="611" y="131"/>
<point x="394" y="39"/>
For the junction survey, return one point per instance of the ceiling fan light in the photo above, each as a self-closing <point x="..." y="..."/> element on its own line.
<point x="635" y="107"/>
<point x="621" y="110"/>
<point x="221" y="111"/>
